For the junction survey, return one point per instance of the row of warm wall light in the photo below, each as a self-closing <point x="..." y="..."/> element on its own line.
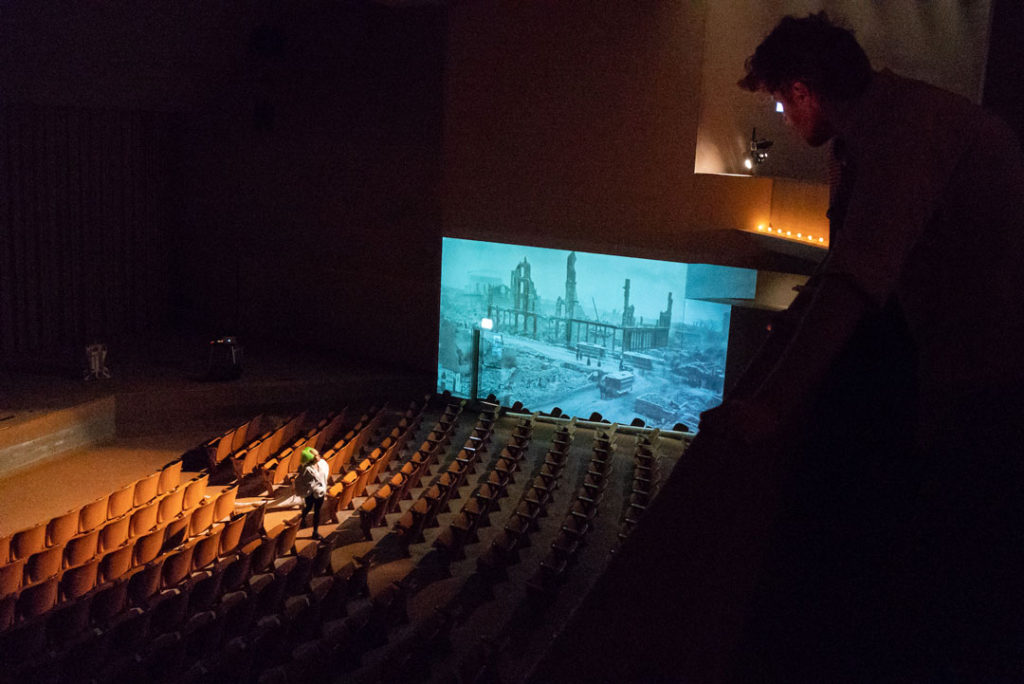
<point x="815" y="240"/>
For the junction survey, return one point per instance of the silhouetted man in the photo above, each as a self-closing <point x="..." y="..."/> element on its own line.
<point x="854" y="510"/>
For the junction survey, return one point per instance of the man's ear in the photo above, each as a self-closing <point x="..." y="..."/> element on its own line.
<point x="798" y="91"/>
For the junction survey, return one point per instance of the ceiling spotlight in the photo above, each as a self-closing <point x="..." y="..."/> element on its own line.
<point x="758" y="148"/>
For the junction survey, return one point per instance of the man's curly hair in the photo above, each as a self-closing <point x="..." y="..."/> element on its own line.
<point x="811" y="49"/>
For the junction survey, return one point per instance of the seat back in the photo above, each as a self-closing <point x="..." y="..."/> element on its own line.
<point x="195" y="492"/>
<point x="120" y="501"/>
<point x="202" y="519"/>
<point x="11" y="576"/>
<point x="92" y="514"/>
<point x="145" y="582"/>
<point x="147" y="547"/>
<point x="143" y="520"/>
<point x="170" y="477"/>
<point x="170" y="506"/>
<point x="225" y="503"/>
<point x="231" y="534"/>
<point x="114" y="533"/>
<point x="146" y="489"/>
<point x="37" y="598"/>
<point x="116" y="564"/>
<point x="207" y="550"/>
<point x="62" y="528"/>
<point x="177" y="565"/>
<point x="44" y="565"/>
<point x="28" y="542"/>
<point x="79" y="581"/>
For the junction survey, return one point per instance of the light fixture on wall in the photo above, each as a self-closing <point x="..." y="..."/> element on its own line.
<point x="758" y="150"/>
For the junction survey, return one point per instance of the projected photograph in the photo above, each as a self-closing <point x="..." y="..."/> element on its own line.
<point x="623" y="337"/>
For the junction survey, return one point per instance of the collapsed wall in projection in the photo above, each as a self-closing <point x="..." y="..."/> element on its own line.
<point x="620" y="336"/>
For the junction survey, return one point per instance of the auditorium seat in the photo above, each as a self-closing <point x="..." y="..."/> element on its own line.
<point x="148" y="547"/>
<point x="170" y="477"/>
<point x="412" y="522"/>
<point x="224" y="505"/>
<point x="5" y="549"/>
<point x="176" y="531"/>
<point x="162" y="657"/>
<point x="201" y="635"/>
<point x="207" y="587"/>
<point x="170" y="506"/>
<point x="28" y="542"/>
<point x="146" y="489"/>
<point x="79" y="580"/>
<point x="116" y="564"/>
<point x="44" y="564"/>
<point x="8" y="611"/>
<point x="178" y="565"/>
<point x="62" y="528"/>
<point x="108" y="600"/>
<point x="144" y="582"/>
<point x="81" y="548"/>
<point x="22" y="643"/>
<point x="238" y="569"/>
<point x="207" y="549"/>
<point x="120" y="501"/>
<point x="202" y="518"/>
<point x="36" y="599"/>
<point x="114" y="535"/>
<point x="143" y="520"/>
<point x="11" y="575"/>
<point x="93" y="514"/>
<point x="231" y="533"/>
<point x="195" y="492"/>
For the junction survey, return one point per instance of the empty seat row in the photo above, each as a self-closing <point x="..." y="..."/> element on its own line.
<point x="59" y="529"/>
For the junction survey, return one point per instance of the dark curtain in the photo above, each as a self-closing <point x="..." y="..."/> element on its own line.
<point x="85" y="211"/>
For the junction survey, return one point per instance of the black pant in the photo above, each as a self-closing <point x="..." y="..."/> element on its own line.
<point x="313" y="503"/>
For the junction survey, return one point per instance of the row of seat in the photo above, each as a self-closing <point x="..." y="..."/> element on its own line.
<point x="485" y="497"/>
<point x="357" y="479"/>
<point x="104" y="555"/>
<point x="91" y="597"/>
<point x="215" y="451"/>
<point x="148" y="548"/>
<point x="271" y="638"/>
<point x="643" y="485"/>
<point x="125" y="618"/>
<point x="504" y="548"/>
<point x="82" y="547"/>
<point x="275" y="471"/>
<point x="577" y="522"/>
<point x="61" y="528"/>
<point x="267" y="445"/>
<point x="434" y="498"/>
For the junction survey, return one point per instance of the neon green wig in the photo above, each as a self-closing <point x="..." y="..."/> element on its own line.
<point x="309" y="454"/>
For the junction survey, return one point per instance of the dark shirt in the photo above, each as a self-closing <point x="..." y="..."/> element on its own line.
<point x="928" y="217"/>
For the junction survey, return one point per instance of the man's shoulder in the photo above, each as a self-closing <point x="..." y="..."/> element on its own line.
<point x="923" y="100"/>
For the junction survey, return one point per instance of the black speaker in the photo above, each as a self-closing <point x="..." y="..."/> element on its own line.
<point x="225" y="361"/>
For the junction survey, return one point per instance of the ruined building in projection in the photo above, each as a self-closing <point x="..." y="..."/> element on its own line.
<point x="596" y="337"/>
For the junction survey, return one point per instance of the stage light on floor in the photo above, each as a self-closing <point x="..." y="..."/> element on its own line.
<point x="96" y="361"/>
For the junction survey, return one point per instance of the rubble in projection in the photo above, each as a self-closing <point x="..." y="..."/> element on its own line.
<point x="593" y="346"/>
